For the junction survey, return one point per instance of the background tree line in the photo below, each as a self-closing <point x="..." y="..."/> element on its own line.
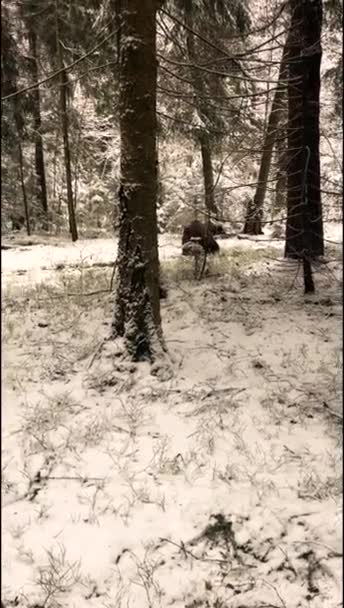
<point x="221" y="101"/>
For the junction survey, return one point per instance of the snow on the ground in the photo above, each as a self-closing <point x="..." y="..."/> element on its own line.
<point x="219" y="487"/>
<point x="34" y="263"/>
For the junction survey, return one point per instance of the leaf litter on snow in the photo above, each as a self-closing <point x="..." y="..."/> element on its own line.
<point x="218" y="487"/>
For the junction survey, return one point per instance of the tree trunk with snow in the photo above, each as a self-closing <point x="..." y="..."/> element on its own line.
<point x="137" y="302"/>
<point x="254" y="213"/>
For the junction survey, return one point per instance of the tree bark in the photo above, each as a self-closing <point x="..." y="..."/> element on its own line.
<point x="280" y="195"/>
<point x="312" y="83"/>
<point x="39" y="150"/>
<point x="208" y="176"/>
<point x="137" y="302"/>
<point x="67" y="160"/>
<point x="304" y="233"/>
<point x="65" y="133"/>
<point x="254" y="213"/>
<point x="294" y="229"/>
<point x="204" y="138"/>
<point x="22" y="183"/>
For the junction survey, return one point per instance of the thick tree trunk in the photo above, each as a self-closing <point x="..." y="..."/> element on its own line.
<point x="39" y="151"/>
<point x="312" y="62"/>
<point x="254" y="213"/>
<point x="304" y="234"/>
<point x="295" y="168"/>
<point x="204" y="138"/>
<point x="311" y="15"/>
<point x="137" y="302"/>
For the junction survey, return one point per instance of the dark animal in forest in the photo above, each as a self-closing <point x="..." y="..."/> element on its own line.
<point x="162" y="292"/>
<point x="17" y="221"/>
<point x="203" y="234"/>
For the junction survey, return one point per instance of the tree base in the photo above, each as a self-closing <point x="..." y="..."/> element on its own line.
<point x="134" y="318"/>
<point x="315" y="257"/>
<point x="308" y="275"/>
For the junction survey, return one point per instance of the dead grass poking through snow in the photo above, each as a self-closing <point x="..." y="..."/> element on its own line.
<point x="219" y="487"/>
<point x="58" y="576"/>
<point x="231" y="261"/>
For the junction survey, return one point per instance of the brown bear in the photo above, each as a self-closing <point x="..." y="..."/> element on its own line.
<point x="203" y="234"/>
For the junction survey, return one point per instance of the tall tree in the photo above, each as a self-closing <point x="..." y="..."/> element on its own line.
<point x="204" y="135"/>
<point x="254" y="214"/>
<point x="137" y="302"/>
<point x="64" y="98"/>
<point x="312" y="54"/>
<point x="304" y="234"/>
<point x="36" y="111"/>
<point x="12" y="110"/>
<point x="60" y="28"/>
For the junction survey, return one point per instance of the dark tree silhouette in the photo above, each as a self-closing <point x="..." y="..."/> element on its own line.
<point x="304" y="234"/>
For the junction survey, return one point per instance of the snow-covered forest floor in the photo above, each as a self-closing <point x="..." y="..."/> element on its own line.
<point x="219" y="487"/>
